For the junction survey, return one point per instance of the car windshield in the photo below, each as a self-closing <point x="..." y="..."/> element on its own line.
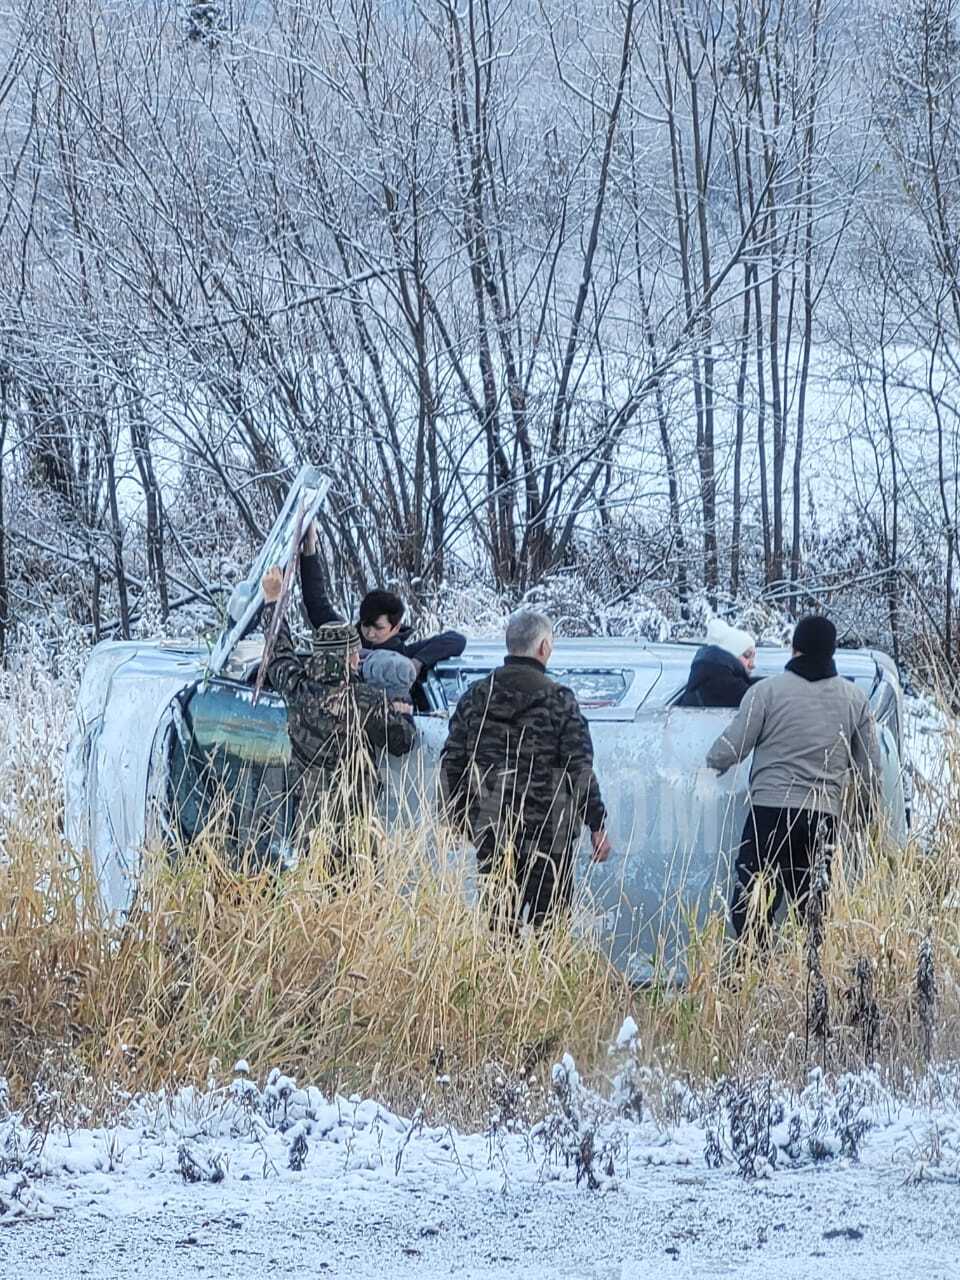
<point x="675" y="681"/>
<point x="593" y="686"/>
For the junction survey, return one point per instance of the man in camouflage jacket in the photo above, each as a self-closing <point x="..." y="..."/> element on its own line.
<point x="517" y="773"/>
<point x="337" y="725"/>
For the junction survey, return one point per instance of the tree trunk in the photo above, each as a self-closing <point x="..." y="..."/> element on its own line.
<point x="5" y="621"/>
<point x="737" y="522"/>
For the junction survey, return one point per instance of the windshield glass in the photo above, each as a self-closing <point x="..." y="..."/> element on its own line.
<point x="593" y="686"/>
<point x="675" y="682"/>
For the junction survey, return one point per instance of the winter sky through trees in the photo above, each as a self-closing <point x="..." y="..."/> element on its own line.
<point x="632" y="303"/>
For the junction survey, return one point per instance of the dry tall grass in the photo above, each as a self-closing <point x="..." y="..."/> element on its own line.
<point x="387" y="982"/>
<point x="392" y="984"/>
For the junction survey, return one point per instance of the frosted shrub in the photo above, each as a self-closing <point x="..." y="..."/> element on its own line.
<point x="37" y="697"/>
<point x="629" y="1082"/>
<point x="574" y="1133"/>
<point x="740" y="1118"/>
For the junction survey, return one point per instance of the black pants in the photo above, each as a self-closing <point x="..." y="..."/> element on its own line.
<point x="782" y="844"/>
<point x="540" y="889"/>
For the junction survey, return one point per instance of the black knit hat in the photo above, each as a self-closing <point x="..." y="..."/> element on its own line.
<point x="815" y="637"/>
<point x="336" y="638"/>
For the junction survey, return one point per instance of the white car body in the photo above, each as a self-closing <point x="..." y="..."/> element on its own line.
<point x="150" y="715"/>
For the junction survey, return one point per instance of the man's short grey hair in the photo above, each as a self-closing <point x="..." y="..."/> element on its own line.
<point x="526" y="631"/>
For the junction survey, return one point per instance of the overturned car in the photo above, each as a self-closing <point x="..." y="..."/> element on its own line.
<point x="164" y="733"/>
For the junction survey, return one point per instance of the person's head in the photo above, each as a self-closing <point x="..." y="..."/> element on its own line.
<point x="740" y="644"/>
<point x="815" y="637"/>
<point x="391" y="672"/>
<point x="337" y="647"/>
<point x="381" y="613"/>
<point x="530" y="635"/>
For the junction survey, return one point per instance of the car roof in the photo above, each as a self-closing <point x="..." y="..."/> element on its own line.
<point x="610" y="651"/>
<point x="659" y="670"/>
<point x="669" y="661"/>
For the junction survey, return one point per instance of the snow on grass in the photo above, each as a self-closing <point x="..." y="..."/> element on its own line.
<point x="37" y="695"/>
<point x="232" y="1144"/>
<point x="928" y="741"/>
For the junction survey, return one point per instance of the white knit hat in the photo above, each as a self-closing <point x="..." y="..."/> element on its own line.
<point x="730" y="638"/>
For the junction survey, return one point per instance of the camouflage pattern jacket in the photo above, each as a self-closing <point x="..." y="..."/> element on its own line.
<point x="518" y="764"/>
<point x="333" y="723"/>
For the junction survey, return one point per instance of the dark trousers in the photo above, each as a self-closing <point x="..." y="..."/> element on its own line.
<point x="783" y="845"/>
<point x="540" y="889"/>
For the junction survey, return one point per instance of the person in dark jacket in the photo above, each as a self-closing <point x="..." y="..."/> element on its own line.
<point x="338" y="726"/>
<point x="811" y="733"/>
<point x="380" y="625"/>
<point x="516" y="773"/>
<point x="721" y="671"/>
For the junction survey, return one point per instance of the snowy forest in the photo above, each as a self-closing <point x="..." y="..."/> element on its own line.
<point x="636" y="307"/>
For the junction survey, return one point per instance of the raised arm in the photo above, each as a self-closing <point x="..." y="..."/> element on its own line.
<point x="741" y="734"/>
<point x="286" y="670"/>
<point x="316" y="602"/>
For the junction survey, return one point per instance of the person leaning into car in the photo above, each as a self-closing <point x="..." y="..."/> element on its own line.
<point x="722" y="668"/>
<point x="809" y="730"/>
<point x="385" y="642"/>
<point x="338" y="726"/>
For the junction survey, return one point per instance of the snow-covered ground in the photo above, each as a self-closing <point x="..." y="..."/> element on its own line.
<point x="851" y="1226"/>
<point x="843" y="1181"/>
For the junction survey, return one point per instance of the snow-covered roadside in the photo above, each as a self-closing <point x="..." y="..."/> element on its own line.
<point x="821" y="1226"/>
<point x="246" y="1180"/>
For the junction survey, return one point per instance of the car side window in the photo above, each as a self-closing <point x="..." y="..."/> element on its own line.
<point x="883" y="703"/>
<point x="435" y="690"/>
<point x="593" y="686"/>
<point x="447" y="685"/>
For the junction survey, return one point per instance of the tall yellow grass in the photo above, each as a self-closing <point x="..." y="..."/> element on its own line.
<point x="391" y="983"/>
<point x="388" y="982"/>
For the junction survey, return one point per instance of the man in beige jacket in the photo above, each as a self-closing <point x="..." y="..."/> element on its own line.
<point x="810" y="732"/>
